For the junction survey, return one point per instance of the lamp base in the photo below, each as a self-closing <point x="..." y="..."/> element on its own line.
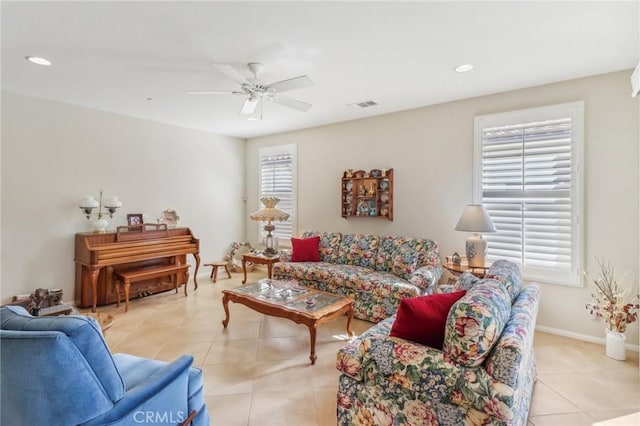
<point x="476" y="248"/>
<point x="269" y="241"/>
<point x="269" y="251"/>
<point x="100" y="226"/>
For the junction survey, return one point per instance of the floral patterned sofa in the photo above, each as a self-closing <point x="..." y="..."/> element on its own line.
<point x="378" y="271"/>
<point x="483" y="375"/>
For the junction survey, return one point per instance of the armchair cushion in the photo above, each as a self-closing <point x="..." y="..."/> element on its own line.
<point x="422" y="319"/>
<point x="84" y="332"/>
<point x="305" y="249"/>
<point x="152" y="389"/>
<point x="476" y="322"/>
<point x="31" y="390"/>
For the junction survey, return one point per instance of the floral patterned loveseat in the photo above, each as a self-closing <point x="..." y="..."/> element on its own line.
<point x="377" y="271"/>
<point x="483" y="375"/>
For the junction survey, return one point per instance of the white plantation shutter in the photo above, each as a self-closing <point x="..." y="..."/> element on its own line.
<point x="277" y="175"/>
<point x="527" y="177"/>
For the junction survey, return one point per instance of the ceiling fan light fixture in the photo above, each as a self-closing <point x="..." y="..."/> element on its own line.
<point x="256" y="92"/>
<point x="38" y="60"/>
<point x="256" y="115"/>
<point x="463" y="68"/>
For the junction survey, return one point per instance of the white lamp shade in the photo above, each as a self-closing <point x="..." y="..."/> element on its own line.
<point x="88" y="202"/>
<point x="112" y="202"/>
<point x="475" y="219"/>
<point x="269" y="213"/>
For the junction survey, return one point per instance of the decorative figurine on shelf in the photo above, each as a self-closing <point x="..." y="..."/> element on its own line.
<point x="362" y="191"/>
<point x="349" y="173"/>
<point x="372" y="189"/>
<point x="384" y="212"/>
<point x="372" y="211"/>
<point x="363" y="208"/>
<point x="455" y="258"/>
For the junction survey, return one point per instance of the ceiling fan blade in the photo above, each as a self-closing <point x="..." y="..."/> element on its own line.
<point x="249" y="106"/>
<point x="230" y="72"/>
<point x="292" y="103"/>
<point x="291" y="84"/>
<point x="213" y="92"/>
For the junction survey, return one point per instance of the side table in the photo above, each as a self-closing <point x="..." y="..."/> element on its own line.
<point x="456" y="270"/>
<point x="105" y="321"/>
<point x="260" y="259"/>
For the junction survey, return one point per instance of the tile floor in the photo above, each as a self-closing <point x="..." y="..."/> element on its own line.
<point x="257" y="371"/>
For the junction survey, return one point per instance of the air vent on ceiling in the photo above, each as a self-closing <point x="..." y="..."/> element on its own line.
<point x="364" y="104"/>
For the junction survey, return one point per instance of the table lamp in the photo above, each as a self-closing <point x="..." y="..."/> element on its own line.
<point x="268" y="214"/>
<point x="476" y="220"/>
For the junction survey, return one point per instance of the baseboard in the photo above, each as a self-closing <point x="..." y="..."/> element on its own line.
<point x="583" y="337"/>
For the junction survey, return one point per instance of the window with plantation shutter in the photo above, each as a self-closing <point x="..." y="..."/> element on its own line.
<point x="277" y="174"/>
<point x="527" y="175"/>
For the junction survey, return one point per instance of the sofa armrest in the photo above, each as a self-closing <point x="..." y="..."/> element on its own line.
<point x="408" y="368"/>
<point x="350" y="356"/>
<point x="163" y="392"/>
<point x="426" y="278"/>
<point x="285" y="256"/>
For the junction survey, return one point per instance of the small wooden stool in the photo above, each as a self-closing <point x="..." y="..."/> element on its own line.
<point x="214" y="270"/>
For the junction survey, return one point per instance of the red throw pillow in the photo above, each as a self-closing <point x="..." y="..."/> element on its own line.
<point x="305" y="249"/>
<point x="422" y="319"/>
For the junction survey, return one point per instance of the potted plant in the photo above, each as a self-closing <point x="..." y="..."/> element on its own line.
<point x="611" y="302"/>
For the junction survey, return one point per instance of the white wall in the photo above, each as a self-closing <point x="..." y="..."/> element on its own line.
<point x="53" y="154"/>
<point x="431" y="151"/>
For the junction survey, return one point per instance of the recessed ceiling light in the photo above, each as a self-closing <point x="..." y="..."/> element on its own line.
<point x="38" y="60"/>
<point x="463" y="68"/>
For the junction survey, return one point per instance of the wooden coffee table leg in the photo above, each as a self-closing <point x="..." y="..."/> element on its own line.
<point x="349" y="318"/>
<point x="312" y="335"/>
<point x="225" y="304"/>
<point x="244" y="269"/>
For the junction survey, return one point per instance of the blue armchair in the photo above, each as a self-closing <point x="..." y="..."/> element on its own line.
<point x="59" y="371"/>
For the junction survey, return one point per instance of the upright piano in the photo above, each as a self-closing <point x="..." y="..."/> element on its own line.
<point x="99" y="255"/>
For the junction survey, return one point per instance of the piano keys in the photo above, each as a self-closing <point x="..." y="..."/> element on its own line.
<point x="98" y="256"/>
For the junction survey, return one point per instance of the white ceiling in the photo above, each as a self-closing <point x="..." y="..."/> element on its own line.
<point x="112" y="56"/>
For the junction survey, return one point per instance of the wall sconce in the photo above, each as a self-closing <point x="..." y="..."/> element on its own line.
<point x="111" y="204"/>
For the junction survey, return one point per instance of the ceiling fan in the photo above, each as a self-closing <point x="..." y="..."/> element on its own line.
<point x="255" y="92"/>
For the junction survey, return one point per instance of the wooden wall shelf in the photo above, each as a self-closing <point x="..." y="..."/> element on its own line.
<point x="367" y="194"/>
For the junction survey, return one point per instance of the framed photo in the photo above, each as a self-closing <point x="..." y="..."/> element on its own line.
<point x="134" y="219"/>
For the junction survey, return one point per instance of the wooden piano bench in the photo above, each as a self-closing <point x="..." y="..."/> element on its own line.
<point x="125" y="278"/>
<point x="214" y="269"/>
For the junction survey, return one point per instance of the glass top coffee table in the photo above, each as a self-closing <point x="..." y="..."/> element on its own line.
<point x="286" y="299"/>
